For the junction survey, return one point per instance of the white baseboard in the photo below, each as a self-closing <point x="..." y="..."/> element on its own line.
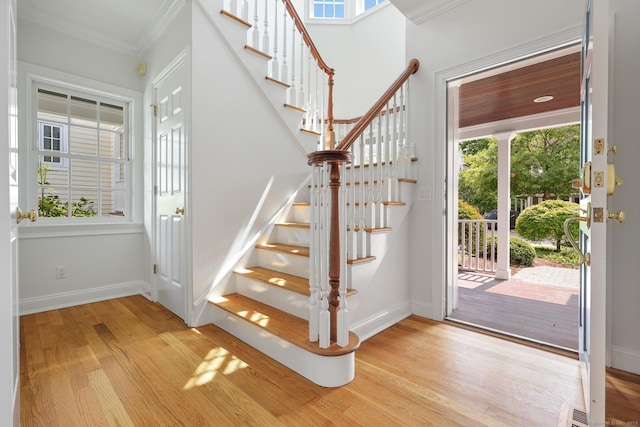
<point x="69" y="299"/>
<point x="625" y="359"/>
<point x="381" y="321"/>
<point x="422" y="309"/>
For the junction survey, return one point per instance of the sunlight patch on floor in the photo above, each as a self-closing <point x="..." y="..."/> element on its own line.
<point x="217" y="360"/>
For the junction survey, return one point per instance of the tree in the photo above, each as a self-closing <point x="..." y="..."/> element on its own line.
<point x="546" y="220"/>
<point x="544" y="162"/>
<point x="478" y="179"/>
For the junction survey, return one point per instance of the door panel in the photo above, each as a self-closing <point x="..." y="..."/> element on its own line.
<point x="593" y="239"/>
<point x="170" y="152"/>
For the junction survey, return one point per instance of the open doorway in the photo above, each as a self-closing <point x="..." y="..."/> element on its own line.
<point x="513" y="134"/>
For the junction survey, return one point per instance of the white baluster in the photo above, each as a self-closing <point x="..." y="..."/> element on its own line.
<point x="293" y="91"/>
<point x="314" y="276"/>
<point x="284" y="68"/>
<point x="275" y="65"/>
<point x="378" y="174"/>
<point x="370" y="212"/>
<point x="395" y="196"/>
<point x="255" y="32"/>
<point x="325" y="320"/>
<point x="265" y="31"/>
<point x="300" y="102"/>
<point x="244" y="10"/>
<point x="342" y="327"/>
<point x="362" y="207"/>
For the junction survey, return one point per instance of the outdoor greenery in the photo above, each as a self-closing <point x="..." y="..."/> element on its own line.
<point x="543" y="163"/>
<point x="466" y="211"/>
<point x="546" y="220"/>
<point x="567" y="256"/>
<point x="521" y="253"/>
<point x="50" y="205"/>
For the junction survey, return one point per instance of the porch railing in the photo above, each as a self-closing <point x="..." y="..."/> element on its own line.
<point x="376" y="149"/>
<point x="477" y="245"/>
<point x="278" y="32"/>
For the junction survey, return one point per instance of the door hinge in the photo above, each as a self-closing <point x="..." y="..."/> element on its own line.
<point x="155" y="110"/>
<point x="155" y="268"/>
<point x="155" y="190"/>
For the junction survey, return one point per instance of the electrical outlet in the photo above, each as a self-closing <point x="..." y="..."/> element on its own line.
<point x="61" y="272"/>
<point x="424" y="193"/>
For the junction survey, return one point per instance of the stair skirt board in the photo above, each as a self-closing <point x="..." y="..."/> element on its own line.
<point x="290" y="302"/>
<point x="381" y="321"/>
<point x="325" y="371"/>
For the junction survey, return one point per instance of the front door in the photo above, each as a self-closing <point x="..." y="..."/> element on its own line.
<point x="593" y="236"/>
<point x="170" y="189"/>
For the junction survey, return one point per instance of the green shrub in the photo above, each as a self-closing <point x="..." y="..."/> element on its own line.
<point x="546" y="220"/>
<point x="520" y="252"/>
<point x="466" y="211"/>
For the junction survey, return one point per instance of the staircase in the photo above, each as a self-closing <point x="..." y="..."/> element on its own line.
<point x="267" y="302"/>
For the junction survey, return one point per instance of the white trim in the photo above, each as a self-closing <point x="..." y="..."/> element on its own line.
<point x="35" y="75"/>
<point x="442" y="204"/>
<point x="383" y="320"/>
<point x="70" y="299"/>
<point x="422" y="11"/>
<point x="424" y="309"/>
<point x="626" y="359"/>
<point x="33" y="231"/>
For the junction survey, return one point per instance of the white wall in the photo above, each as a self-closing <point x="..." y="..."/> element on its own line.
<point x="467" y="38"/>
<point x="240" y="153"/>
<point x="622" y="263"/>
<point x="101" y="264"/>
<point x="367" y="56"/>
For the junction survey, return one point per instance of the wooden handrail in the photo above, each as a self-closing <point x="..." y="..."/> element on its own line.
<point x="330" y="72"/>
<point x="357" y="130"/>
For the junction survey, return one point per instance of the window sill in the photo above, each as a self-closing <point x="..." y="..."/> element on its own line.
<point x="33" y="231"/>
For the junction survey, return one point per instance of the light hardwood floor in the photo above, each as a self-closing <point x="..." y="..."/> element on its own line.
<point x="129" y="362"/>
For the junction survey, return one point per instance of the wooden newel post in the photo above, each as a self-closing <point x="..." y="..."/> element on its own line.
<point x="335" y="158"/>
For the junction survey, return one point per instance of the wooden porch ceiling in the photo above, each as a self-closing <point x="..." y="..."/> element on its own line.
<point x="510" y="94"/>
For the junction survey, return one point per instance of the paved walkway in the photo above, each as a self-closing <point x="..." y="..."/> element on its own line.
<point x="544" y="275"/>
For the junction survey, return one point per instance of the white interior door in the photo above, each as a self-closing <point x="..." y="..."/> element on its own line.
<point x="170" y="190"/>
<point x="593" y="239"/>
<point x="10" y="331"/>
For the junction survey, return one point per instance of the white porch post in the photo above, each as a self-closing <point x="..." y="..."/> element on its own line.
<point x="503" y="271"/>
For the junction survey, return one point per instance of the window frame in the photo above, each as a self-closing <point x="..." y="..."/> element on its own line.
<point x="64" y="144"/>
<point x="37" y="77"/>
<point x="354" y="10"/>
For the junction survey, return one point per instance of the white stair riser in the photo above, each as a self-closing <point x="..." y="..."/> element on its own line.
<point x="284" y="263"/>
<point x="300" y="213"/>
<point x="291" y="302"/>
<point x="291" y="236"/>
<point x="334" y="371"/>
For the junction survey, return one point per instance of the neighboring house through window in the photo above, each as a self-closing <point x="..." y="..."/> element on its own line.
<point x="83" y="156"/>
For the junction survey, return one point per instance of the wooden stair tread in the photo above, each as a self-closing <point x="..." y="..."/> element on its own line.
<point x="286" y="281"/>
<point x="282" y="247"/>
<point x="309" y="131"/>
<point x="294" y="224"/>
<point x="378" y="230"/>
<point x="386" y="203"/>
<point x="278" y="82"/>
<point x="284" y="325"/>
<point x="235" y="18"/>
<point x="363" y="260"/>
<point x="296" y="108"/>
<point x="258" y="52"/>
<point x="408" y="180"/>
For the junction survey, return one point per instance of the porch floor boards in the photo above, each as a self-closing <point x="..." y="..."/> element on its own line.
<point x="540" y="312"/>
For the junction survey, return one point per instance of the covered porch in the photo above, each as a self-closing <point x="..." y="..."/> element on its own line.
<point x="537" y="303"/>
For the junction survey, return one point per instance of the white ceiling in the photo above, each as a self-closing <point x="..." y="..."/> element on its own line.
<point x="128" y="26"/>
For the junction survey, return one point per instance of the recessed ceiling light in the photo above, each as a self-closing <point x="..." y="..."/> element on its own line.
<point x="545" y="98"/>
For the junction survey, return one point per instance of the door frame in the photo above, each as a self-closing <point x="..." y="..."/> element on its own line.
<point x="182" y="59"/>
<point x="447" y="205"/>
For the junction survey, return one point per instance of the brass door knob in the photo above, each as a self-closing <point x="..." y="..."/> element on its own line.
<point x="180" y="211"/>
<point x="31" y="215"/>
<point x="618" y="216"/>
